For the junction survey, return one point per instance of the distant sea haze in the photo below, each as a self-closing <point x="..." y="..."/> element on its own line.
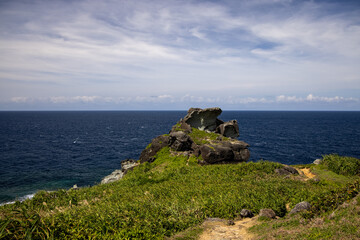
<point x="52" y="150"/>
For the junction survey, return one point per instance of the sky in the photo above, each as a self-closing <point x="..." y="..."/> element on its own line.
<point x="173" y="55"/>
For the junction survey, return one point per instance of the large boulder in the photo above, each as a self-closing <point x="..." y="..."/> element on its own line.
<point x="225" y="152"/>
<point x="301" y="206"/>
<point x="216" y="154"/>
<point x="180" y="141"/>
<point x="203" y="119"/>
<point x="267" y="213"/>
<point x="229" y="129"/>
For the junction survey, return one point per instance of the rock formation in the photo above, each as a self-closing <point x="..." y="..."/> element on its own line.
<point x="201" y="133"/>
<point x="267" y="213"/>
<point x="203" y="119"/>
<point x="126" y="165"/>
<point x="301" y="206"/>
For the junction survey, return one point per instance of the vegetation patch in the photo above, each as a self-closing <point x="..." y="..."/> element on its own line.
<point x="202" y="137"/>
<point x="347" y="166"/>
<point x="172" y="194"/>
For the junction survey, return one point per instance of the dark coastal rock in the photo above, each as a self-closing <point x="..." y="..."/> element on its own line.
<point x="215" y="154"/>
<point x="181" y="126"/>
<point x="203" y="119"/>
<point x="286" y="170"/>
<point x="180" y="141"/>
<point x="225" y="152"/>
<point x="229" y="129"/>
<point x="267" y="213"/>
<point x="301" y="206"/>
<point x="219" y="150"/>
<point x="147" y="155"/>
<point x="245" y="213"/>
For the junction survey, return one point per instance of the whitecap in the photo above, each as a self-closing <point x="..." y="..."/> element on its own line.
<point x="20" y="199"/>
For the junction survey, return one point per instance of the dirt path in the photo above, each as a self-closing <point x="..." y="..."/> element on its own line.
<point x="219" y="229"/>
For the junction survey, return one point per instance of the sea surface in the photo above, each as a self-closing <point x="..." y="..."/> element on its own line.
<point x="52" y="150"/>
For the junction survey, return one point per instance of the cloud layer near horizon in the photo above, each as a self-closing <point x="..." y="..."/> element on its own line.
<point x="174" y="54"/>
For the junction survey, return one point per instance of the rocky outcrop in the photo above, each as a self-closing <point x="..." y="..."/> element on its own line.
<point x="203" y="119"/>
<point x="201" y="133"/>
<point x="147" y="155"/>
<point x="180" y="141"/>
<point x="225" y="152"/>
<point x="229" y="129"/>
<point x="126" y="166"/>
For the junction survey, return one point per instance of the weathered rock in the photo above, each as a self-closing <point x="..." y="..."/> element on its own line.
<point x="286" y="170"/>
<point x="245" y="213"/>
<point x="229" y="129"/>
<point x="147" y="155"/>
<point x="203" y="119"/>
<point x="114" y="176"/>
<point x="181" y="126"/>
<point x="126" y="165"/>
<point x="301" y="206"/>
<point x="317" y="161"/>
<point x="215" y="153"/>
<point x="225" y="152"/>
<point x="180" y="141"/>
<point x="267" y="212"/>
<point x="235" y="145"/>
<point x="219" y="150"/>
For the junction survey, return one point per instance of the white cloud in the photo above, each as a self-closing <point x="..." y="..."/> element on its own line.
<point x="184" y="99"/>
<point x="128" y="50"/>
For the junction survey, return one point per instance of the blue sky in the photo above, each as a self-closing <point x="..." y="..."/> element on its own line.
<point x="171" y="55"/>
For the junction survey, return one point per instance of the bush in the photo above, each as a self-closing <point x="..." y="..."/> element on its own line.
<point x="347" y="166"/>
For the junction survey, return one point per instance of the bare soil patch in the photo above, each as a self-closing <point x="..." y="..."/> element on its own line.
<point x="216" y="229"/>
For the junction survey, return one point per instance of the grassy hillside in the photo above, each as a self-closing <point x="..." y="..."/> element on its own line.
<point x="174" y="193"/>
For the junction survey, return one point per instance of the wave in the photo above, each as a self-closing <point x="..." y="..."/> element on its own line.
<point x="20" y="199"/>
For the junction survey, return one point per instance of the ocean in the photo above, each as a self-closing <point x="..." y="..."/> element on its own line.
<point x="52" y="150"/>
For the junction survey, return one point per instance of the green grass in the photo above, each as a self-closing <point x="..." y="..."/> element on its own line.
<point x="202" y="137"/>
<point x="348" y="166"/>
<point x="165" y="197"/>
<point x="341" y="223"/>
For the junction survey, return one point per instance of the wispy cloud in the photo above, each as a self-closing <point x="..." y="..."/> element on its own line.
<point x="185" y="99"/>
<point x="199" y="51"/>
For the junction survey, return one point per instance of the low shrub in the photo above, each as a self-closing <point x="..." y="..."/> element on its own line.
<point x="348" y="166"/>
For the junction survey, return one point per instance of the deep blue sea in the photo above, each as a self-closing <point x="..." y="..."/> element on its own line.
<point x="52" y="150"/>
